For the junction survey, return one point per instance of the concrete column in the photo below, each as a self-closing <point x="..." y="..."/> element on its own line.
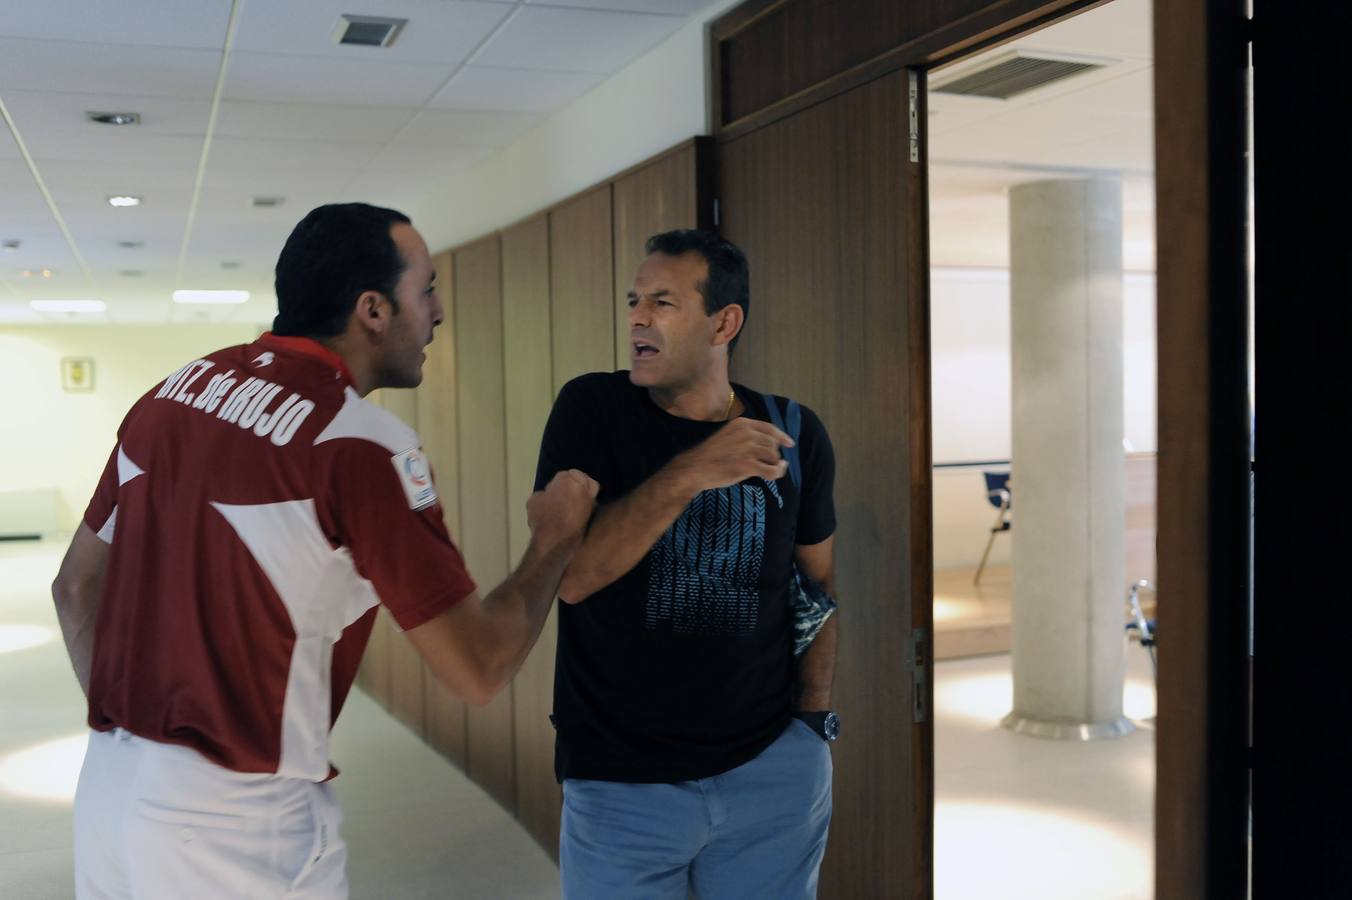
<point x="1067" y="476"/>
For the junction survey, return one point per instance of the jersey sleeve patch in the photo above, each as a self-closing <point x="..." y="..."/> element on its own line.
<point x="416" y="478"/>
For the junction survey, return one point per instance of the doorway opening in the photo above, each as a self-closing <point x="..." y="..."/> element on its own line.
<point x="1042" y="249"/>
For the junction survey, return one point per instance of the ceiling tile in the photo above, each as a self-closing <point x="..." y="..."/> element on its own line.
<point x="667" y="7"/>
<point x="384" y="189"/>
<point x="64" y="113"/>
<point x="275" y="78"/>
<point x="158" y="23"/>
<point x="112" y="147"/>
<point x="17" y="312"/>
<point x="314" y="122"/>
<point x="426" y="161"/>
<point x="469" y="128"/>
<point x="437" y="30"/>
<point x="575" y="40"/>
<point x="131" y="175"/>
<point x="138" y="311"/>
<point x="518" y="90"/>
<point x="107" y="69"/>
<point x="1121" y="30"/>
<point x="260" y="155"/>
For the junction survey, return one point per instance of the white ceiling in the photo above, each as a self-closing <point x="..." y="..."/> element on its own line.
<point x="298" y="116"/>
<point x="303" y="118"/>
<point x="1098" y="123"/>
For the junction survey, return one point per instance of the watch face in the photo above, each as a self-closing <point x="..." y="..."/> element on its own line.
<point x="831" y="726"/>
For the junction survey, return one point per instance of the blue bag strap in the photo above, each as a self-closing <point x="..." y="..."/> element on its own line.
<point x="791" y="423"/>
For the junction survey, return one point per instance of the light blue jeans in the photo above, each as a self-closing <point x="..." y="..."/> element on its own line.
<point x="756" y="831"/>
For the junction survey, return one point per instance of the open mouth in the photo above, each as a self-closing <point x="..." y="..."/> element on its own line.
<point x="644" y="350"/>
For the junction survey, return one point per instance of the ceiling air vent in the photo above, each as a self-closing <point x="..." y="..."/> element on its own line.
<point x="266" y="202"/>
<point x="368" y="31"/>
<point x="1011" y="75"/>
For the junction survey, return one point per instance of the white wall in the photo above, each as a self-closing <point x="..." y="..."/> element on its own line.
<point x="969" y="340"/>
<point x="654" y="103"/>
<point x="53" y="439"/>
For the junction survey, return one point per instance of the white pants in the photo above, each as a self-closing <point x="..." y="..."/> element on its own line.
<point x="158" y="821"/>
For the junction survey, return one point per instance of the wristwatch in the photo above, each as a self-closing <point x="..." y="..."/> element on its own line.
<point x="826" y="723"/>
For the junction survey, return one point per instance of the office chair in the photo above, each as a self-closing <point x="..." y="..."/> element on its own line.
<point x="1143" y="628"/>
<point x="998" y="493"/>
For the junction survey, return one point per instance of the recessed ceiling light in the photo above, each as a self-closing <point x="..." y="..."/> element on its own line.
<point x="124" y="200"/>
<point x="114" y="118"/>
<point x="211" y="296"/>
<point x="131" y="245"/>
<point x="69" y="306"/>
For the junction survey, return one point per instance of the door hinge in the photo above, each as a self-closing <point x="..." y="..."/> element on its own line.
<point x="914" y="81"/>
<point x="917" y="662"/>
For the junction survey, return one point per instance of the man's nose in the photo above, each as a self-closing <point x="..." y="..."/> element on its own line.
<point x="639" y="314"/>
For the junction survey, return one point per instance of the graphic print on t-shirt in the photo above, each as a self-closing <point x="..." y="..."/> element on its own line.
<point x="704" y="573"/>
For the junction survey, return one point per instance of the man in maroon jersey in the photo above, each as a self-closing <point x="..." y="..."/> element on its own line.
<point x="222" y="586"/>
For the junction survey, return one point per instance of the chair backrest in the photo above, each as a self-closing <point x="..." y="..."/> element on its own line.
<point x="996" y="487"/>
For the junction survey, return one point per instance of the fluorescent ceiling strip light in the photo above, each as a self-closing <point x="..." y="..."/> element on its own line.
<point x="69" y="306"/>
<point x="214" y="297"/>
<point x="211" y="132"/>
<point x="46" y="194"/>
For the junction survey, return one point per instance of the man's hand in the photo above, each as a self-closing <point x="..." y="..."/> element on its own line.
<point x="559" y="514"/>
<point x="741" y="449"/>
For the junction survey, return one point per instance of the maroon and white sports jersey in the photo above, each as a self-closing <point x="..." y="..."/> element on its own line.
<point x="258" y="510"/>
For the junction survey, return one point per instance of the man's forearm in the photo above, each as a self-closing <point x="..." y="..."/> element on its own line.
<point x="622" y="533"/>
<point x="817" y="668"/>
<point x="77" y="610"/>
<point x="520" y="605"/>
<point x="77" y="592"/>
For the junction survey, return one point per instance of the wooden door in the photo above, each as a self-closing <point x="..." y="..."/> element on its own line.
<point x="830" y="212"/>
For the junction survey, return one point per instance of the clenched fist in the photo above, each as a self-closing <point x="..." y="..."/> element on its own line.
<point x="560" y="513"/>
<point x="742" y="449"/>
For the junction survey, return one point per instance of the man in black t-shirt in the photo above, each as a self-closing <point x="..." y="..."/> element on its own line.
<point x="691" y="744"/>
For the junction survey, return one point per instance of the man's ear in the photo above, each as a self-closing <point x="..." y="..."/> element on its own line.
<point x="372" y="312"/>
<point x="729" y="323"/>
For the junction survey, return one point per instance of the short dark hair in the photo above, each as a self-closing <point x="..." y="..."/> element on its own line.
<point x="334" y="254"/>
<point x="729" y="280"/>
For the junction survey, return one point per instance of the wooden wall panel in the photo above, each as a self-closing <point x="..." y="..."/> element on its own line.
<point x="582" y="297"/>
<point x="674" y="191"/>
<point x="374" y="674"/>
<point x="405" y="665"/>
<point x="483" y="482"/>
<point x="529" y="370"/>
<point x="834" y="323"/>
<point x="444" y="714"/>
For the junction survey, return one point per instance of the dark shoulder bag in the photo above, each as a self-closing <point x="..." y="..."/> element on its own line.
<point x="809" y="602"/>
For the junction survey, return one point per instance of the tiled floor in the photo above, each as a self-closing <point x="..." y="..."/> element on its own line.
<point x="1016" y="816"/>
<point x="415" y="826"/>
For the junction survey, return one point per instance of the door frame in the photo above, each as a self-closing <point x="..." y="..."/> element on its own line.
<point x="1201" y="739"/>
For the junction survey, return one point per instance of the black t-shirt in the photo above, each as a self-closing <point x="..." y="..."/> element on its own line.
<point x="681" y="669"/>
